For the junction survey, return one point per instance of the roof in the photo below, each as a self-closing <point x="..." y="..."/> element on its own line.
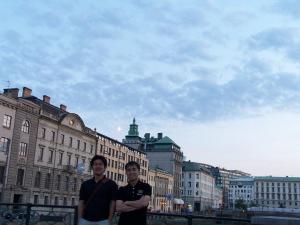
<point x="194" y="166"/>
<point x="166" y="140"/>
<point x="280" y="179"/>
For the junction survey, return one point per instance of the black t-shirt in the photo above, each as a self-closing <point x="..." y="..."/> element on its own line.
<point x="130" y="193"/>
<point x="98" y="207"/>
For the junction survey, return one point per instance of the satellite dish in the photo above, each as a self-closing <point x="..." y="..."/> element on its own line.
<point x="80" y="168"/>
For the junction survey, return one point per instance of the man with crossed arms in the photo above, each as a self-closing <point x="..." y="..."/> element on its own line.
<point x="133" y="199"/>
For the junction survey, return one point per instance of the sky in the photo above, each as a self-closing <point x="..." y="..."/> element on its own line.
<point x="220" y="78"/>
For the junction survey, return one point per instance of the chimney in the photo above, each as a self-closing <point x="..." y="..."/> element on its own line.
<point x="147" y="136"/>
<point x="11" y="92"/>
<point x="62" y="107"/>
<point x="26" y="92"/>
<point x="46" y="99"/>
<point x="159" y="136"/>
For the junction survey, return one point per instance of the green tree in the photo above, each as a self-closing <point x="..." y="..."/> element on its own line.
<point x="240" y="204"/>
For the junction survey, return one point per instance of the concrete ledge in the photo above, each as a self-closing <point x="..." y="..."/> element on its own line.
<point x="274" y="220"/>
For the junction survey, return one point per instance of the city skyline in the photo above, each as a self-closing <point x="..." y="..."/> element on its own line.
<point x="210" y="75"/>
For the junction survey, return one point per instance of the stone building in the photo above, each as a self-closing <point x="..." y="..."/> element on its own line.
<point x="162" y="190"/>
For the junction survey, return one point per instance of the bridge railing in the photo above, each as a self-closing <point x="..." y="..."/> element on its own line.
<point x="31" y="214"/>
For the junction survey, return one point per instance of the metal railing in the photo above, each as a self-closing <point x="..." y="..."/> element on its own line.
<point x="31" y="214"/>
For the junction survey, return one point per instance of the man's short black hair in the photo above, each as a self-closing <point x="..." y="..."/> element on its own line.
<point x="100" y="157"/>
<point x="132" y="163"/>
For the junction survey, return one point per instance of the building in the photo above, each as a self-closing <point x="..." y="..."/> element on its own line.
<point x="277" y="192"/>
<point x="162" y="152"/>
<point x="198" y="186"/>
<point x="46" y="150"/>
<point x="222" y="178"/>
<point x="218" y="197"/>
<point x="241" y="189"/>
<point x="162" y="190"/>
<point x="20" y="122"/>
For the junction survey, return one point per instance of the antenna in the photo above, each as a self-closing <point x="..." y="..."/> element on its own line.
<point x="8" y="83"/>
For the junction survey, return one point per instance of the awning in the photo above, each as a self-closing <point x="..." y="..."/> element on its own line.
<point x="178" y="201"/>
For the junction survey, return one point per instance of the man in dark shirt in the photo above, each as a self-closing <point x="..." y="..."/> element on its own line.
<point x="133" y="199"/>
<point x="97" y="196"/>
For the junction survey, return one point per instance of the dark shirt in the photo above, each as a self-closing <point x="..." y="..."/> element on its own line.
<point x="130" y="193"/>
<point x="98" y="207"/>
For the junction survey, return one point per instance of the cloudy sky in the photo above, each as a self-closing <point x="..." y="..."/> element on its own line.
<point x="221" y="78"/>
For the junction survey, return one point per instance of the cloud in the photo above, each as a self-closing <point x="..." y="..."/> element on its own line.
<point x="289" y="8"/>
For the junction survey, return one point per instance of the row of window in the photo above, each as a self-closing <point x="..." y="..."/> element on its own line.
<point x="70" y="143"/>
<point x="279" y="204"/>
<point x="283" y="189"/>
<point x="57" y="201"/>
<point x="60" y="157"/>
<point x="7" y="120"/>
<point x="120" y="155"/>
<point x="289" y="184"/>
<point x="279" y="196"/>
<point x="57" y="182"/>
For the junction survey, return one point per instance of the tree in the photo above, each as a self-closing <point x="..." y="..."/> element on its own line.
<point x="240" y="204"/>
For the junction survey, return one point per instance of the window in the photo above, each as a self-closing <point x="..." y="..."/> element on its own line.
<point x="67" y="183"/>
<point x="84" y="146"/>
<point x="70" y="142"/>
<point x="7" y="121"/>
<point x="197" y="184"/>
<point x="36" y="199"/>
<point x="20" y="177"/>
<point x="69" y="159"/>
<point x="50" y="156"/>
<point x="65" y="201"/>
<point x="25" y="126"/>
<point x="78" y="144"/>
<point x="190" y="184"/>
<point x="92" y="148"/>
<point x="73" y="201"/>
<point x="37" y="180"/>
<point x="75" y="184"/>
<point x="190" y="175"/>
<point x="46" y="200"/>
<point x="53" y="135"/>
<point x="43" y="132"/>
<point x="60" y="158"/>
<point x="41" y="155"/>
<point x="2" y="169"/>
<point x="23" y="149"/>
<point x="48" y="181"/>
<point x="56" y="201"/>
<point x="76" y="160"/>
<point x="62" y="138"/>
<point x="58" y="181"/>
<point x="4" y="144"/>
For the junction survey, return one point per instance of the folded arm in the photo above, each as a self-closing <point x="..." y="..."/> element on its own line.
<point x="141" y="203"/>
<point x="121" y="207"/>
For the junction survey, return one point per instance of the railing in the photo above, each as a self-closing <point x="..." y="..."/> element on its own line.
<point x="30" y="214"/>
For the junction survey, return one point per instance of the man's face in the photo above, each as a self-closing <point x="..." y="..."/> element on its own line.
<point x="132" y="173"/>
<point x="98" y="167"/>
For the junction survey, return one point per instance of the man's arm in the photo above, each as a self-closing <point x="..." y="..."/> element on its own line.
<point x="112" y="209"/>
<point x="80" y="209"/>
<point x="141" y="203"/>
<point x="121" y="207"/>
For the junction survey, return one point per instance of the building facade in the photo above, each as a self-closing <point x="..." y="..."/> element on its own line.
<point x="20" y="158"/>
<point x="241" y="189"/>
<point x="162" y="190"/>
<point x="222" y="178"/>
<point x="46" y="150"/>
<point x="277" y="192"/>
<point x="198" y="186"/>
